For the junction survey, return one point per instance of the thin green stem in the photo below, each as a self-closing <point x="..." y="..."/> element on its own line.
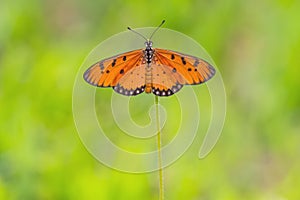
<point x="160" y="170"/>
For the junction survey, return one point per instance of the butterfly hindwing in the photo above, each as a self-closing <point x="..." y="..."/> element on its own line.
<point x="133" y="82"/>
<point x="193" y="70"/>
<point x="164" y="81"/>
<point x="107" y="72"/>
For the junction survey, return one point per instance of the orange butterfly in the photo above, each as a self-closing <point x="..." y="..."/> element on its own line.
<point x="160" y="71"/>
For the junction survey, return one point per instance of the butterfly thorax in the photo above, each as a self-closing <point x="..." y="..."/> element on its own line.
<point x="148" y="56"/>
<point x="148" y="53"/>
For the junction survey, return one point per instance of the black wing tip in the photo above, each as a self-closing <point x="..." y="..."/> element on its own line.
<point x="210" y="75"/>
<point x="212" y="70"/>
<point x="87" y="78"/>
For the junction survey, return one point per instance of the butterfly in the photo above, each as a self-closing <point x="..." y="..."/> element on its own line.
<point x="151" y="70"/>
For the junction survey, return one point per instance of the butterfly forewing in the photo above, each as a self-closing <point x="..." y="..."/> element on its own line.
<point x="194" y="70"/>
<point x="107" y="72"/>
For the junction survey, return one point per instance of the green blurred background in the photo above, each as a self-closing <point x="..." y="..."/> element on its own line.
<point x="256" y="45"/>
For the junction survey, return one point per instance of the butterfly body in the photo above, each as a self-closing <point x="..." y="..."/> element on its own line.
<point x="150" y="70"/>
<point x="148" y="55"/>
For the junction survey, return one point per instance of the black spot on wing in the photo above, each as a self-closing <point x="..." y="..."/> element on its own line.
<point x="114" y="62"/>
<point x="183" y="60"/>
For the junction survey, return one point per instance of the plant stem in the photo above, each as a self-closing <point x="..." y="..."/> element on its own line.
<point x="160" y="170"/>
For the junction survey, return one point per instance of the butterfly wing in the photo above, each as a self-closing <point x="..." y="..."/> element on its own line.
<point x="164" y="81"/>
<point x="170" y="70"/>
<point x="133" y="82"/>
<point x="192" y="70"/>
<point x="108" y="72"/>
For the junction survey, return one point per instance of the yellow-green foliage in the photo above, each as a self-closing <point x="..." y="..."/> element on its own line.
<point x="256" y="45"/>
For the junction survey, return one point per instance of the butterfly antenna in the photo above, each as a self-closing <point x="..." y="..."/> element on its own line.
<point x="137" y="33"/>
<point x="157" y="29"/>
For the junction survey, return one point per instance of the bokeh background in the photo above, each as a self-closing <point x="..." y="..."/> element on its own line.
<point x="256" y="45"/>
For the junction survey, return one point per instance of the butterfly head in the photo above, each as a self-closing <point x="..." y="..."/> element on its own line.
<point x="148" y="44"/>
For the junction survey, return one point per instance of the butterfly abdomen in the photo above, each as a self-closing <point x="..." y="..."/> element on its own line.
<point x="148" y="88"/>
<point x="148" y="79"/>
